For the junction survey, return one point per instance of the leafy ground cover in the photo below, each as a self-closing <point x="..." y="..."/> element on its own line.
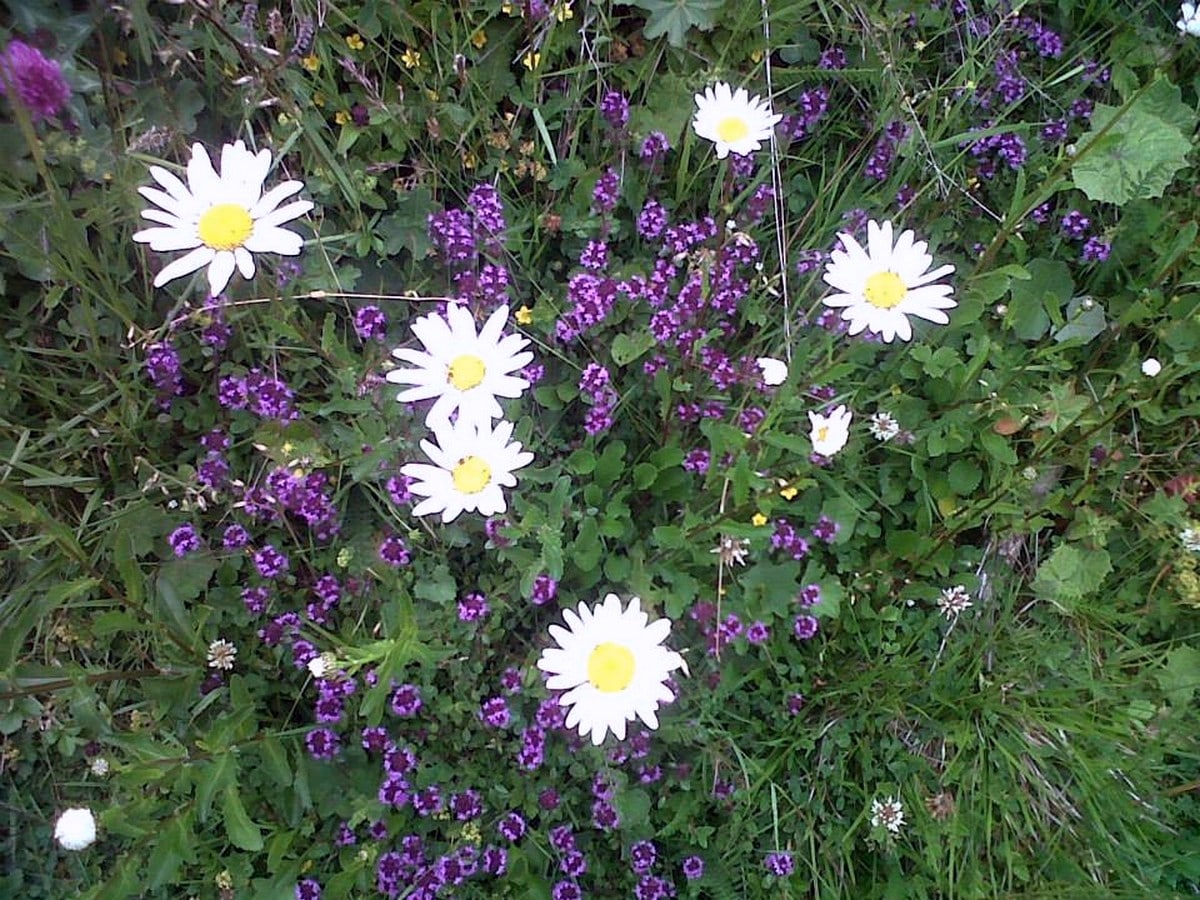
<point x="925" y="594"/>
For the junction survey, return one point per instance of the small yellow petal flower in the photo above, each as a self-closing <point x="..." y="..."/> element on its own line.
<point x="120" y="57"/>
<point x="507" y="8"/>
<point x="355" y="41"/>
<point x="789" y="492"/>
<point x="312" y="62"/>
<point x="411" y="58"/>
<point x="758" y="520"/>
<point x="479" y="40"/>
<point x="524" y="315"/>
<point x="531" y="61"/>
<point x="341" y="117"/>
<point x="563" y="11"/>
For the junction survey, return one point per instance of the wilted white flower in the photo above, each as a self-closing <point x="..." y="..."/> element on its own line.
<point x="953" y="601"/>
<point x="1190" y="537"/>
<point x="889" y="813"/>
<point x="774" y="371"/>
<point x="221" y="654"/>
<point x="732" y="551"/>
<point x="830" y="433"/>
<point x="99" y="766"/>
<point x="883" y="426"/>
<point x="1151" y="367"/>
<point x="321" y="665"/>
<point x="75" y="829"/>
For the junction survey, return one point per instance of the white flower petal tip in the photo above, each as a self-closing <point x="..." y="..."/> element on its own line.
<point x="75" y="829"/>
<point x="830" y="433"/>
<point x="733" y="120"/>
<point x="469" y="467"/>
<point x="462" y="370"/>
<point x="223" y="219"/>
<point x="878" y="287"/>
<point x="612" y="666"/>
<point x="774" y="371"/>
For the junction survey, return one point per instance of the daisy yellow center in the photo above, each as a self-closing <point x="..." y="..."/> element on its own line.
<point x="225" y="226"/>
<point x="610" y="667"/>
<point x="471" y="475"/>
<point x="732" y="129"/>
<point x="884" y="290"/>
<point x="466" y="371"/>
<point x="822" y="433"/>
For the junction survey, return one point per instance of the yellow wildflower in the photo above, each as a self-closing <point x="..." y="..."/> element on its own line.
<point x="312" y="62"/>
<point x="355" y="41"/>
<point x="411" y="58"/>
<point x="341" y="117"/>
<point x="563" y="11"/>
<point x="758" y="520"/>
<point x="479" y="40"/>
<point x="532" y="60"/>
<point x="524" y="315"/>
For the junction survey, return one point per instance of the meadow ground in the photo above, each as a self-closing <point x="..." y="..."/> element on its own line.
<point x="673" y="448"/>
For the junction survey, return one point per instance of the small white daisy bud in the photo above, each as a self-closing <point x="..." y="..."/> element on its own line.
<point x="1151" y="367"/>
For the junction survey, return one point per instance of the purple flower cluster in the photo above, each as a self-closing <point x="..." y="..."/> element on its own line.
<point x="484" y="202"/>
<point x="614" y="108"/>
<point x="164" y="371"/>
<point x="533" y="746"/>
<point x="394" y="551"/>
<point x="879" y="164"/>
<point x="1007" y="148"/>
<point x="780" y="865"/>
<point x="495" y="712"/>
<point x="654" y="148"/>
<point x="811" y="106"/>
<point x="322" y="743"/>
<point x="786" y="538"/>
<point x="544" y="590"/>
<point x="37" y="81"/>
<point x="473" y="607"/>
<point x="370" y="324"/>
<point x="590" y="298"/>
<point x="406" y="701"/>
<point x="607" y="191"/>
<point x="806" y="627"/>
<point x="270" y="562"/>
<point x="184" y="540"/>
<point x="291" y="491"/>
<point x="595" y="389"/>
<point x="264" y="395"/>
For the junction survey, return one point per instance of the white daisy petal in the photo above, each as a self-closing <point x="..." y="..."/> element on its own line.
<point x="734" y="121"/>
<point x="879" y="288"/>
<point x="222" y="218"/>
<point x="465" y="371"/>
<point x="612" y="666"/>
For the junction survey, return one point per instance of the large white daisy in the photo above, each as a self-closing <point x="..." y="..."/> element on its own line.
<point x="733" y="120"/>
<point x="883" y="285"/>
<point x="222" y="219"/>
<point x="465" y="371"/>
<point x="470" y="466"/>
<point x="1189" y="19"/>
<point x="612" y="665"/>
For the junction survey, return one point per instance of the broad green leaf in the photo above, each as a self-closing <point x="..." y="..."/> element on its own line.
<point x="1138" y="156"/>
<point x="1038" y="300"/>
<point x="674" y="17"/>
<point x="1085" y="321"/>
<point x="626" y="348"/>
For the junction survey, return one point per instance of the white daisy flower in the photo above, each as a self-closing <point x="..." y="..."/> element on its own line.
<point x="470" y="466"/>
<point x="221" y="219"/>
<point x="774" y="371"/>
<point x="889" y="813"/>
<point x="612" y="665"/>
<point x="1190" y="538"/>
<point x="463" y="370"/>
<point x="883" y="426"/>
<point x="881" y="286"/>
<point x="830" y="433"/>
<point x="1189" y="19"/>
<point x="75" y="829"/>
<point x="733" y="120"/>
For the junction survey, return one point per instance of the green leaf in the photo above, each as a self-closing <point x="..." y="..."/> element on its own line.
<point x="674" y="17"/>
<point x="1180" y="676"/>
<point x="1071" y="573"/>
<point x="1037" y="301"/>
<point x="1085" y="321"/>
<point x="644" y="475"/>
<point x="633" y="807"/>
<point x="964" y="476"/>
<point x="626" y="348"/>
<point x="219" y="774"/>
<point x="243" y="833"/>
<point x="611" y="464"/>
<point x="998" y="447"/>
<point x="173" y="846"/>
<point x="1147" y="141"/>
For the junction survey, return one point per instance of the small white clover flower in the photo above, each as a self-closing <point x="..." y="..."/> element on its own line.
<point x="221" y="654"/>
<point x="889" y="813"/>
<point x="883" y="426"/>
<point x="1151" y="367"/>
<point x="954" y="601"/>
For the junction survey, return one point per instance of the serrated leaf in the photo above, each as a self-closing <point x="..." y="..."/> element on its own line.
<point x="674" y="17"/>
<point x="1071" y="573"/>
<point x="1146" y="143"/>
